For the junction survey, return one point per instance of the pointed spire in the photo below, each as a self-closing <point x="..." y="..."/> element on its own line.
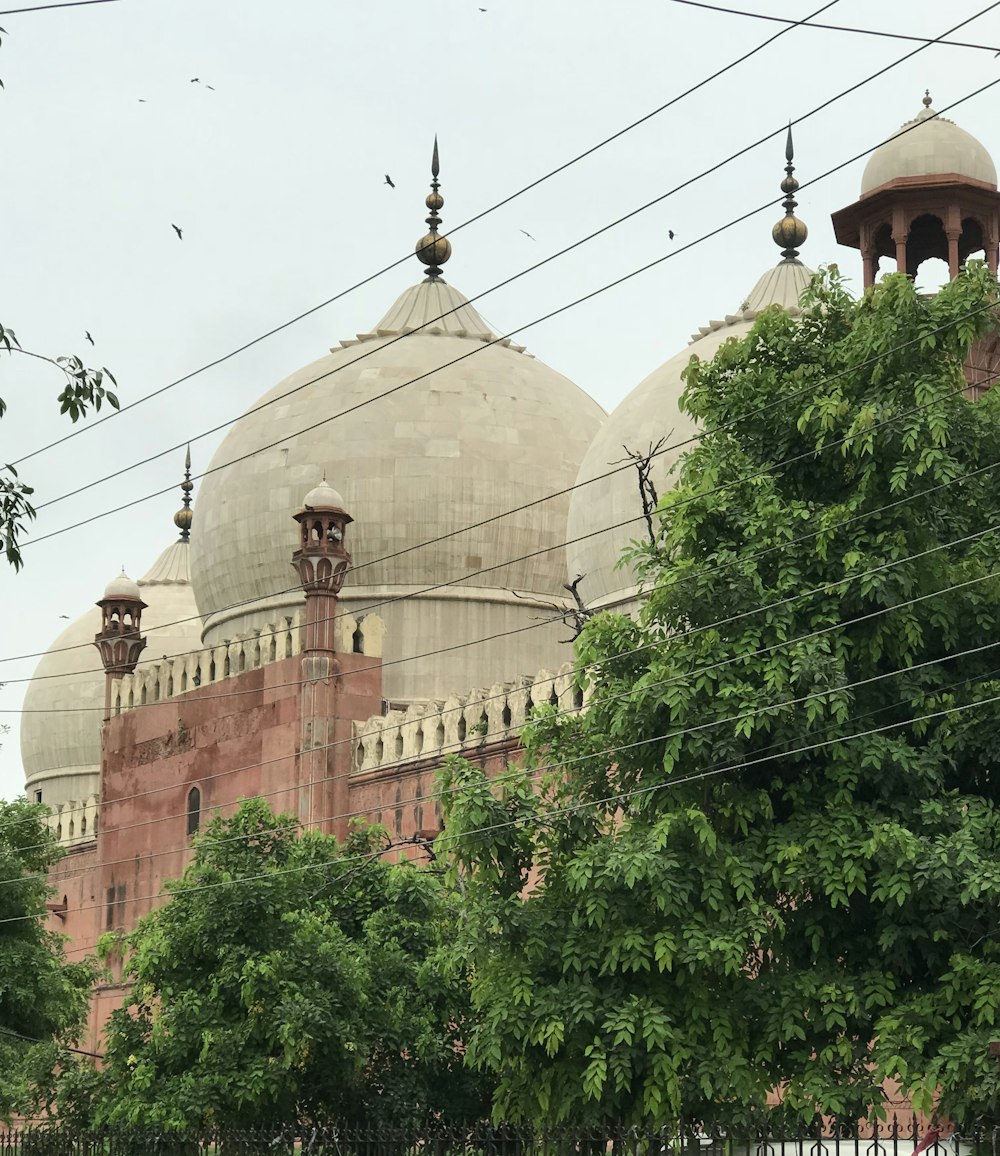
<point x="432" y="249"/>
<point x="183" y="517"/>
<point x="789" y="232"/>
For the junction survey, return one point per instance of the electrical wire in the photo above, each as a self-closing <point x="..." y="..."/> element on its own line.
<point x="826" y="588"/>
<point x="408" y="256"/>
<point x="35" y="1039"/>
<point x="628" y="465"/>
<point x="713" y="625"/>
<point x="531" y="772"/>
<point x="506" y="337"/>
<point x="57" y="4"/>
<point x="699" y="496"/>
<point x="810" y="23"/>
<point x="540" y="819"/>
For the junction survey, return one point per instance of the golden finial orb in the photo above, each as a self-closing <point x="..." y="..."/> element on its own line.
<point x="184" y="516"/>
<point x="432" y="249"/>
<point x="789" y="233"/>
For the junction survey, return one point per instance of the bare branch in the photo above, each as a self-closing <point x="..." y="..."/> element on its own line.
<point x="647" y="489"/>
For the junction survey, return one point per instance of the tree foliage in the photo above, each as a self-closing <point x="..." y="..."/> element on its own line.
<point x="287" y="980"/>
<point x="83" y="389"/>
<point x="765" y="858"/>
<point x="43" y="999"/>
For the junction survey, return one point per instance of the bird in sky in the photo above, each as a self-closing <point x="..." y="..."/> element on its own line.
<point x="389" y="181"/>
<point x="177" y="230"/>
<point x="64" y="616"/>
<point x="527" y="234"/>
<point x="482" y="9"/>
<point x="670" y="234"/>
<point x="142" y="100"/>
<point x="195" y="80"/>
<point x="86" y="334"/>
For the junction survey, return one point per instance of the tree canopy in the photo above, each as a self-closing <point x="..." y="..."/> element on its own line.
<point x="287" y="980"/>
<point x="43" y="998"/>
<point x="763" y="863"/>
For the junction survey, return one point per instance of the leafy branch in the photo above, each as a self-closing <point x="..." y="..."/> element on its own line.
<point x="84" y="389"/>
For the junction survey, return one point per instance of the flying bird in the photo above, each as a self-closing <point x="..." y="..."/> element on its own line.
<point x="527" y="234"/>
<point x="670" y="234"/>
<point x="64" y="616"/>
<point x="389" y="181"/>
<point x="142" y="100"/>
<point x="86" y="334"/>
<point x="177" y="230"/>
<point x="195" y="80"/>
<point x="930" y="1137"/>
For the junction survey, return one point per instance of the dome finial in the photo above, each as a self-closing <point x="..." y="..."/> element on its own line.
<point x="432" y="249"/>
<point x="182" y="519"/>
<point x="789" y="232"/>
<point x="927" y="98"/>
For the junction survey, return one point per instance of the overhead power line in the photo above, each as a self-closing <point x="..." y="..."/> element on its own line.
<point x="695" y="630"/>
<point x="408" y="256"/>
<point x="522" y="773"/>
<point x="52" y="7"/>
<point x="473" y="352"/>
<point x="542" y="817"/>
<point x="810" y="23"/>
<point x="700" y="496"/>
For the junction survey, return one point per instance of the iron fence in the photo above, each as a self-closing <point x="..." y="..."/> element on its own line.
<point x="892" y="1137"/>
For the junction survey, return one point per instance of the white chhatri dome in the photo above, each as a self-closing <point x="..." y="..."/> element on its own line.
<point x="323" y="497"/>
<point x="122" y="586"/>
<point x="64" y="704"/>
<point x="427" y="433"/>
<point x="928" y="146"/>
<point x="649" y="415"/>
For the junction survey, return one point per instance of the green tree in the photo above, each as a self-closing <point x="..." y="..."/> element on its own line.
<point x="767" y="856"/>
<point x="83" y="388"/>
<point x="43" y="999"/>
<point x="287" y="980"/>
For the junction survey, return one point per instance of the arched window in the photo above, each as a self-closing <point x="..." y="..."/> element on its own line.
<point x="194" y="811"/>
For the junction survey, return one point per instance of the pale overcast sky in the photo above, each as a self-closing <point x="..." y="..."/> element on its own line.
<point x="276" y="178"/>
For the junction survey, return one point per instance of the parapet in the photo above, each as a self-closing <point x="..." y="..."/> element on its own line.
<point x="462" y="723"/>
<point x="75" y="821"/>
<point x="171" y="677"/>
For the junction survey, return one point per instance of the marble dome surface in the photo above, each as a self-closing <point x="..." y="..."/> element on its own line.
<point x="606" y="512"/>
<point x="426" y="433"/>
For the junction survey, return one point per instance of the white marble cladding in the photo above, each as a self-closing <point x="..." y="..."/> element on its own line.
<point x="74" y="822"/>
<point x="174" y="676"/>
<point x="431" y="730"/>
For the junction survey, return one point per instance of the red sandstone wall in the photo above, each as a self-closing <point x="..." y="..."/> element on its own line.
<point x="233" y="740"/>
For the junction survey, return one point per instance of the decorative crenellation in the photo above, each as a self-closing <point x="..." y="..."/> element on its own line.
<point x="461" y="723"/>
<point x="74" y="822"/>
<point x="176" y="676"/>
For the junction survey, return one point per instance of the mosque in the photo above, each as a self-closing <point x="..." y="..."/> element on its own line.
<point x="377" y="572"/>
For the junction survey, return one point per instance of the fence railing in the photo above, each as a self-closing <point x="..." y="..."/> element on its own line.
<point x="892" y="1137"/>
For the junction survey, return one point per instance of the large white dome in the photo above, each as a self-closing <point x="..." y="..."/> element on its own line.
<point x="61" y="727"/>
<point x="928" y="146"/>
<point x="470" y="431"/>
<point x="650" y="414"/>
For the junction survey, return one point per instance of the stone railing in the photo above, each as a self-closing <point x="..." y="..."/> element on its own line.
<point x="460" y="723"/>
<point x="173" y="676"/>
<point x="74" y="822"/>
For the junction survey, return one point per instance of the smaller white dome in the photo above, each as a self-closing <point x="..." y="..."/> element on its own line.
<point x="927" y="146"/>
<point x="123" y="587"/>
<point x="323" y="497"/>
